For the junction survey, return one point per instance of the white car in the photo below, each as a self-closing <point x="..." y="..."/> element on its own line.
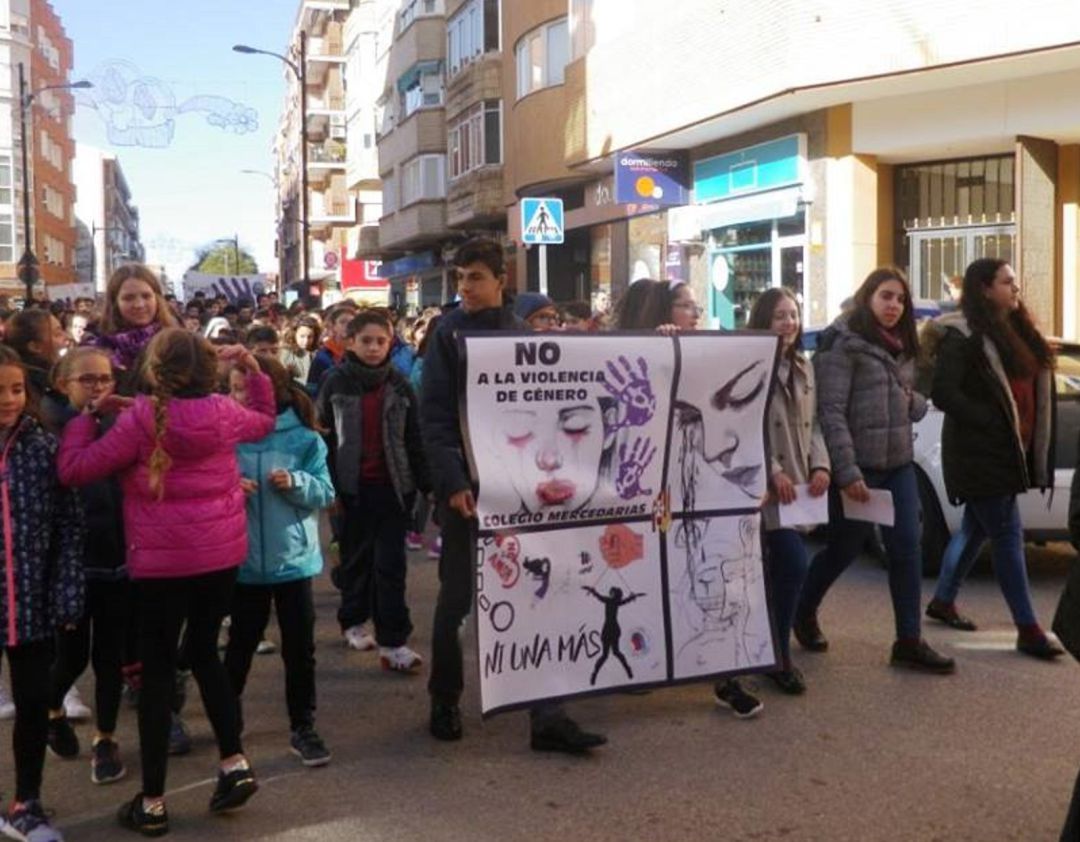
<point x="1045" y="515"/>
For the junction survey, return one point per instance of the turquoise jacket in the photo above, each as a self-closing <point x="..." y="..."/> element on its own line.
<point x="283" y="526"/>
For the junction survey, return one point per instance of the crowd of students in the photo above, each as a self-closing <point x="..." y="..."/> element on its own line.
<point x="198" y="444"/>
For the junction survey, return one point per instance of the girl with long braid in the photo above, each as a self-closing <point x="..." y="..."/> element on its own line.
<point x="184" y="516"/>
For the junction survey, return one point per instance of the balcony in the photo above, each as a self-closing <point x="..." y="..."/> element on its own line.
<point x="475" y="200"/>
<point x="423" y="41"/>
<point x="422" y="223"/>
<point x="422" y="131"/>
<point x="328" y="210"/>
<point x="325" y="159"/>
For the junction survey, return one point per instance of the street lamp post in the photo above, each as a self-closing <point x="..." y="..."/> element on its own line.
<point x="28" y="263"/>
<point x="235" y="240"/>
<point x="300" y="71"/>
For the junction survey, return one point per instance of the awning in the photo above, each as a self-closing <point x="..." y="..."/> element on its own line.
<point x="687" y="222"/>
<point x="411" y="76"/>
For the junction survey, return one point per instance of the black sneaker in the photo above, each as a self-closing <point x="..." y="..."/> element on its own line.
<point x="233" y="790"/>
<point x="1041" y="647"/>
<point x="920" y="657"/>
<point x="179" y="739"/>
<point x="809" y="634"/>
<point x="730" y="694"/>
<point x="445" y="721"/>
<point x="566" y="736"/>
<point x="106" y="765"/>
<point x="789" y="681"/>
<point x="309" y="747"/>
<point x="62" y="740"/>
<point x="132" y="816"/>
<point x="946" y="613"/>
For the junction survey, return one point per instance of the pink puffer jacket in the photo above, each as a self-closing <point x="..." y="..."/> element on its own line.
<point x="200" y="524"/>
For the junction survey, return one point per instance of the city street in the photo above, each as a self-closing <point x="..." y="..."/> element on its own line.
<point x="869" y="753"/>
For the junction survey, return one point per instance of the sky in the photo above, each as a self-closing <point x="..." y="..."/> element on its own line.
<point x="174" y="59"/>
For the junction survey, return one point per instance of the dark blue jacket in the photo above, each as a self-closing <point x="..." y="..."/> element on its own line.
<point x="439" y="416"/>
<point x="105" y="552"/>
<point x="42" y="586"/>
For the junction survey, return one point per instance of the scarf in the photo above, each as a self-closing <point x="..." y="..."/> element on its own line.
<point x="369" y="377"/>
<point x="124" y="346"/>
<point x="892" y="340"/>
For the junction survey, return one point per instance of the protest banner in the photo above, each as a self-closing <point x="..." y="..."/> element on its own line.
<point x="620" y="482"/>
<point x="233" y="287"/>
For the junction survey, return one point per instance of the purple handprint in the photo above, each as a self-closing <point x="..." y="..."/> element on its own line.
<point x="632" y="389"/>
<point x="631" y="467"/>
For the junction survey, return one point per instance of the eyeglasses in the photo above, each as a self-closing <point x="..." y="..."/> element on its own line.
<point x="686" y="305"/>
<point x="89" y="381"/>
<point x="546" y="319"/>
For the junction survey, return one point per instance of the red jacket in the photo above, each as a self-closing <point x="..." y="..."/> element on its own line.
<point x="200" y="524"/>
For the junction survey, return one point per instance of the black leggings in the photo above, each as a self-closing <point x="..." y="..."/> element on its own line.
<point x="29" y="667"/>
<point x="164" y="607"/>
<point x="108" y="608"/>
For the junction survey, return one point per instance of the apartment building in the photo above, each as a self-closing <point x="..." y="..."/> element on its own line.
<point x="106" y="218"/>
<point x="818" y="142"/>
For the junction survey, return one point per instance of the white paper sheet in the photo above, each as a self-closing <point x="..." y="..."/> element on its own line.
<point x="806" y="510"/>
<point x="879" y="509"/>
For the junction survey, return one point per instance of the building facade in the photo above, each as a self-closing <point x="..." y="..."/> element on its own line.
<point x="106" y="217"/>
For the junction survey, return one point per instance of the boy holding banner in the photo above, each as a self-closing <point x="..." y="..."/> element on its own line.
<point x="481" y="275"/>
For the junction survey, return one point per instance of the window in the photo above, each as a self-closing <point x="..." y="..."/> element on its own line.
<point x="389" y="194"/>
<point x="476" y="138"/>
<point x="424" y="177"/>
<point x="471" y="32"/>
<point x="420" y="87"/>
<point x="413" y="9"/>
<point x="541" y="57"/>
<point x="6" y="197"/>
<point x="7" y="238"/>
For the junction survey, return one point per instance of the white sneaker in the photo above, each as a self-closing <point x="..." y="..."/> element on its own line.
<point x="74" y="707"/>
<point x="435" y="550"/>
<point x="7" y="706"/>
<point x="399" y="659"/>
<point x="359" y="639"/>
<point x="266" y="647"/>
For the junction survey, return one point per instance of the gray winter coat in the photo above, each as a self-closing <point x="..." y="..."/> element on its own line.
<point x="796" y="445"/>
<point x="866" y="404"/>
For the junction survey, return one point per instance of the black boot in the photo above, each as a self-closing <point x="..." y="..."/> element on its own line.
<point x="565" y="735"/>
<point x="809" y="634"/>
<point x="445" y="721"/>
<point x="917" y="655"/>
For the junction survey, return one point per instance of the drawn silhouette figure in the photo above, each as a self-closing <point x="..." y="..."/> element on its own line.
<point x="542" y="221"/>
<point x="611" y="633"/>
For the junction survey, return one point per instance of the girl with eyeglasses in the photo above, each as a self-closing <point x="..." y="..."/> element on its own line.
<point x="82" y="376"/>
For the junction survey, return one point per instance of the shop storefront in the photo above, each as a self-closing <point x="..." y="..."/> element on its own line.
<point x="416" y="281"/>
<point x="751" y="206"/>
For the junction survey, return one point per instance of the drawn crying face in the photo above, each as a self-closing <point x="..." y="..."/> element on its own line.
<point x="554" y="455"/>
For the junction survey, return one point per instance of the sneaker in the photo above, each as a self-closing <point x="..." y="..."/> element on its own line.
<point x="445" y="722"/>
<point x="564" y="735"/>
<point x="920" y="657"/>
<point x="435" y="550"/>
<point x="7" y="706"/>
<point x="359" y="639"/>
<point x="809" y="634"/>
<point x="414" y="541"/>
<point x="233" y="789"/>
<point x="28" y="822"/>
<point x="179" y="739"/>
<point x="74" y="707"/>
<point x="266" y="647"/>
<point x="399" y="659"/>
<point x="309" y="747"/>
<point x="730" y="694"/>
<point x="106" y="765"/>
<point x="133" y="816"/>
<point x="1041" y="647"/>
<point x="789" y="681"/>
<point x="61" y="738"/>
<point x="945" y="612"/>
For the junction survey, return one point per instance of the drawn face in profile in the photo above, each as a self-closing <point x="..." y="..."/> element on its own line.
<point x="724" y="441"/>
<point x="553" y="455"/>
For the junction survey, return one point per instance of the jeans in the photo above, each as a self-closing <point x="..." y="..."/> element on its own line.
<point x="101" y="635"/>
<point x="29" y="667"/>
<point x="165" y="605"/>
<point x="996" y="519"/>
<point x="457" y="563"/>
<point x="787" y="565"/>
<point x="373" y="565"/>
<point x="295" y="610"/>
<point x="847" y="537"/>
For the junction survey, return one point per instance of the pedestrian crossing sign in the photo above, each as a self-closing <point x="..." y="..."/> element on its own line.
<point x="542" y="221"/>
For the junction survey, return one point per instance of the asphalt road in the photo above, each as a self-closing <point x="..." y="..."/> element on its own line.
<point x="869" y="753"/>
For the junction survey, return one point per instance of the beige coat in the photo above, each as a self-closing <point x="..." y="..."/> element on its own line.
<point x="796" y="445"/>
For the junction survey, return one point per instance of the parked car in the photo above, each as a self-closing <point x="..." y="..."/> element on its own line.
<point x="1045" y="515"/>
